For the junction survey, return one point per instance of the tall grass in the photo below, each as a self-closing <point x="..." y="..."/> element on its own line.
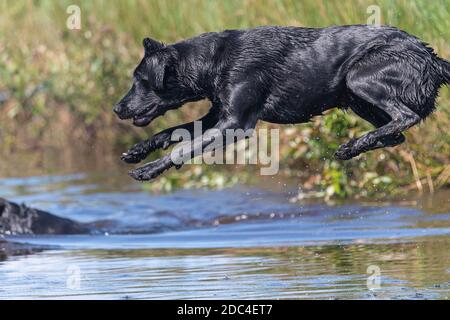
<point x="62" y="83"/>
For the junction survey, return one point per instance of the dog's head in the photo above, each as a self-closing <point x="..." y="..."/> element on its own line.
<point x="154" y="88"/>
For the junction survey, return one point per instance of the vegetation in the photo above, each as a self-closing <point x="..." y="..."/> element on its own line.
<point x="58" y="87"/>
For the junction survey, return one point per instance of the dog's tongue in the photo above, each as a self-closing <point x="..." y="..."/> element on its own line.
<point x="142" y="122"/>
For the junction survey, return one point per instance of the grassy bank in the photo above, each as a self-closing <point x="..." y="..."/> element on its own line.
<point x="58" y="87"/>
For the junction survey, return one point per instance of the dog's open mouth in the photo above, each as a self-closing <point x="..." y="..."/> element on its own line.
<point x="144" y="119"/>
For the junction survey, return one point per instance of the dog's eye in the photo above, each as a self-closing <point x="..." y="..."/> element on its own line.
<point x="145" y="83"/>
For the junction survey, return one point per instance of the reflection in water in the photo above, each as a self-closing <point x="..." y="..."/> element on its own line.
<point x="234" y="243"/>
<point x="408" y="271"/>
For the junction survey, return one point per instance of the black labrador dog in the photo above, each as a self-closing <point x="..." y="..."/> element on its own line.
<point x="285" y="75"/>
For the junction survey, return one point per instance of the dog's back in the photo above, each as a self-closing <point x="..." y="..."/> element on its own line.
<point x="287" y="61"/>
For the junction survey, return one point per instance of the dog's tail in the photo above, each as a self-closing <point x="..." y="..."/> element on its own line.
<point x="445" y="65"/>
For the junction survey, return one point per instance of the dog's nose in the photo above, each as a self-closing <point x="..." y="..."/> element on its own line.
<point x="118" y="109"/>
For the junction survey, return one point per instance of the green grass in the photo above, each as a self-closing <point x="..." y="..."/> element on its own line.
<point x="82" y="73"/>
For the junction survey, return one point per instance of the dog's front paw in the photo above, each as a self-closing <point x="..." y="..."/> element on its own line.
<point x="151" y="170"/>
<point x="137" y="153"/>
<point x="346" y="151"/>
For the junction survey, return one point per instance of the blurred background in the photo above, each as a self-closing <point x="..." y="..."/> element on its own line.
<point x="58" y="86"/>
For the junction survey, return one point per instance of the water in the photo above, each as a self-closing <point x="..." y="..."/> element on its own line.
<point x="243" y="242"/>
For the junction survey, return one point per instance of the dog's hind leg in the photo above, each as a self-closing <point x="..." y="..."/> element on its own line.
<point x="388" y="135"/>
<point x="382" y="96"/>
<point x="163" y="139"/>
<point x="377" y="118"/>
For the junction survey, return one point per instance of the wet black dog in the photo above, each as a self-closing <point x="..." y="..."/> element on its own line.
<point x="285" y="75"/>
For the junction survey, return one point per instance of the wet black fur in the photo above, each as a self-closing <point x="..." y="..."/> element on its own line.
<point x="285" y="75"/>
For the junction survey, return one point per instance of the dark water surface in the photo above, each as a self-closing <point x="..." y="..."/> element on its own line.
<point x="242" y="242"/>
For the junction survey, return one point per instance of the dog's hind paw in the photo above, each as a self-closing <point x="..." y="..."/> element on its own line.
<point x="151" y="170"/>
<point x="346" y="151"/>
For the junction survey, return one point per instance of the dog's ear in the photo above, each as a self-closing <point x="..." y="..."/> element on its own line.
<point x="158" y="66"/>
<point x="151" y="45"/>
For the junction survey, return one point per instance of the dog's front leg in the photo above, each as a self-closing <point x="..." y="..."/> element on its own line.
<point x="164" y="140"/>
<point x="152" y="170"/>
<point x="141" y="150"/>
<point x="179" y="156"/>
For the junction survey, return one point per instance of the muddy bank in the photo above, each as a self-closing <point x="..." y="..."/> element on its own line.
<point x="18" y="219"/>
<point x="8" y="249"/>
